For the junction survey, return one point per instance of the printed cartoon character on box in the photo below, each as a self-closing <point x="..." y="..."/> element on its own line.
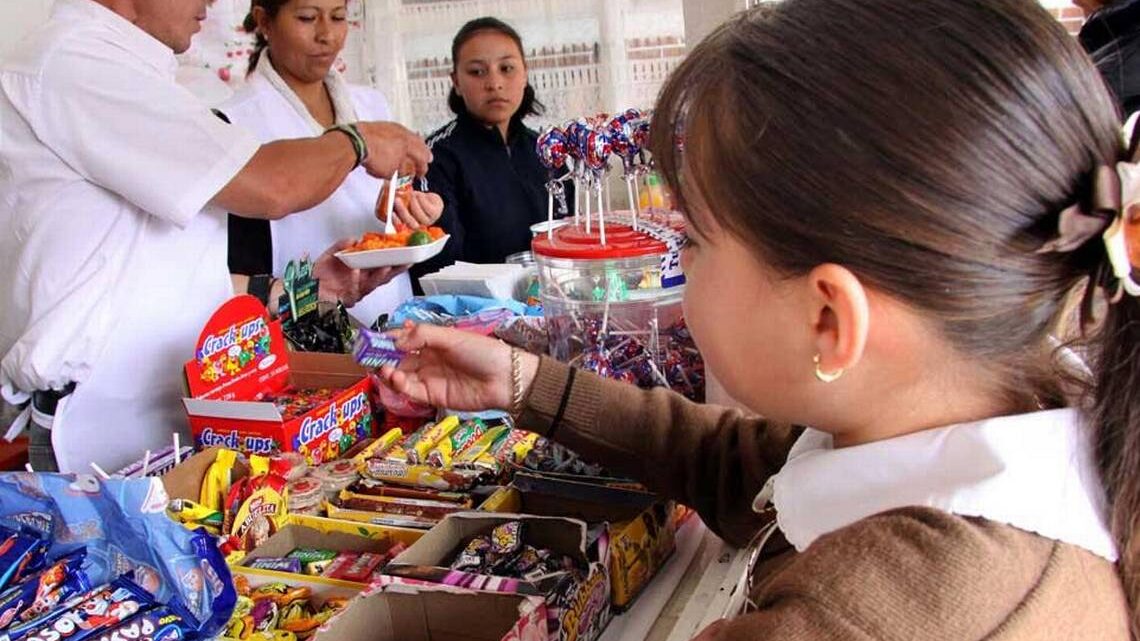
<point x="231" y="351"/>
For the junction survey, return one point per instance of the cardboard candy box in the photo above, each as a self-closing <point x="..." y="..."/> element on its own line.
<point x="642" y="529"/>
<point x="400" y="612"/>
<point x="578" y="607"/>
<point x="241" y="360"/>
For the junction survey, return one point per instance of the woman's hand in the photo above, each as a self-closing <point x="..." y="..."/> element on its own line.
<point x="392" y="146"/>
<point x="455" y="369"/>
<point x="341" y="282"/>
<point x="422" y="210"/>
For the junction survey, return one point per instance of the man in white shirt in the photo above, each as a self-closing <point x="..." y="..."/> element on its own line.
<point x="114" y="183"/>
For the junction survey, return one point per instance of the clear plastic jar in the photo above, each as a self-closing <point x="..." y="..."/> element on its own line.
<point x="615" y="309"/>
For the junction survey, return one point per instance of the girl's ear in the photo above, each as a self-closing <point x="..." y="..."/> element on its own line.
<point x="840" y="317"/>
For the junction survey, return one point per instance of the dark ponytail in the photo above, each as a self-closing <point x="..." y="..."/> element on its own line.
<point x="272" y="8"/>
<point x="530" y="105"/>
<point x="1117" y="418"/>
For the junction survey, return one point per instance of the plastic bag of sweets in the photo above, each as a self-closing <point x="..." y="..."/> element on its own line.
<point x="122" y="523"/>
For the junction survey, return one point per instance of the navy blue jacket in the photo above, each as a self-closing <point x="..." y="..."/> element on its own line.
<point x="1112" y="38"/>
<point x="492" y="192"/>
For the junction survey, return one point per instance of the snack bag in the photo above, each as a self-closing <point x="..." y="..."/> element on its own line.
<point x="123" y="525"/>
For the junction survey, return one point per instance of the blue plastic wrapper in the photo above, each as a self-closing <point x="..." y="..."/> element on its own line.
<point x="445" y="309"/>
<point x="124" y="527"/>
<point x="160" y="624"/>
<point x="21" y="553"/>
<point x="88" y="616"/>
<point x="40" y="593"/>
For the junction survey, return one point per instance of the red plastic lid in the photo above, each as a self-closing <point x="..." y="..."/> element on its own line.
<point x="572" y="241"/>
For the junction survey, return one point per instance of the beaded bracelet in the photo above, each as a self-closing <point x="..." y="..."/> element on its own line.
<point x="358" y="144"/>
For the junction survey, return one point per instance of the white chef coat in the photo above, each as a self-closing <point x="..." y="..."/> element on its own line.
<point x="264" y="109"/>
<point x="111" y="265"/>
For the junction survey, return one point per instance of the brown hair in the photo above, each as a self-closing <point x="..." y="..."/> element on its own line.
<point x="929" y="148"/>
<point x="272" y="8"/>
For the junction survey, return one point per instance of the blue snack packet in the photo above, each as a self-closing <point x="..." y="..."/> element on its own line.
<point x="98" y="611"/>
<point x="21" y="553"/>
<point x="164" y="623"/>
<point x="41" y="593"/>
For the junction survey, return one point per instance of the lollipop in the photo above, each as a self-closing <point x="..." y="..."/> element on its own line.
<point x="552" y="148"/>
<point x="621" y="130"/>
<point x="552" y="152"/>
<point x="597" y="157"/>
<point x="576" y="132"/>
<point x="598" y="150"/>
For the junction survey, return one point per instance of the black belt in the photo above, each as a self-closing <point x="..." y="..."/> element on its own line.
<point x="45" y="401"/>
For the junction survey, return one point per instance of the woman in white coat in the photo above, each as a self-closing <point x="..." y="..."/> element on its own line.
<point x="293" y="91"/>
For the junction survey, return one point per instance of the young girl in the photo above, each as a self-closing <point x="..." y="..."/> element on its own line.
<point x="486" y="167"/>
<point x="293" y="91"/>
<point x="897" y="208"/>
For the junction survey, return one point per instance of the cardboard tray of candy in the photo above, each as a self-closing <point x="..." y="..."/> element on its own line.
<point x="553" y="469"/>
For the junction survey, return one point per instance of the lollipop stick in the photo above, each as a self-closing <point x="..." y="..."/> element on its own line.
<point x="589" y="205"/>
<point x="146" y="464"/>
<point x="28" y="467"/>
<point x="632" y="202"/>
<point x="601" y="215"/>
<point x="99" y="470"/>
<point x="577" y="200"/>
<point x="549" y="214"/>
<point x="177" y="449"/>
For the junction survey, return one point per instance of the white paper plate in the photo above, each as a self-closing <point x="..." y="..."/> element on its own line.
<point x="374" y="258"/>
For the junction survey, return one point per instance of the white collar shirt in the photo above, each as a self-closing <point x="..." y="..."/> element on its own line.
<point x="1032" y="471"/>
<point x="112" y="260"/>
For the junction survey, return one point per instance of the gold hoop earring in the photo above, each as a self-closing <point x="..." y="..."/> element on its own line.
<point x="826" y="377"/>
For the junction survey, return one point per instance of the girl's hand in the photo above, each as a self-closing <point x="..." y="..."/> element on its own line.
<point x="455" y="369"/>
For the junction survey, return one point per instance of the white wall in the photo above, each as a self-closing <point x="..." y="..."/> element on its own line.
<point x="17" y="17"/>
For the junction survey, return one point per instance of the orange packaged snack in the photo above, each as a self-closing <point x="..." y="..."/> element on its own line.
<point x="403" y="195"/>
